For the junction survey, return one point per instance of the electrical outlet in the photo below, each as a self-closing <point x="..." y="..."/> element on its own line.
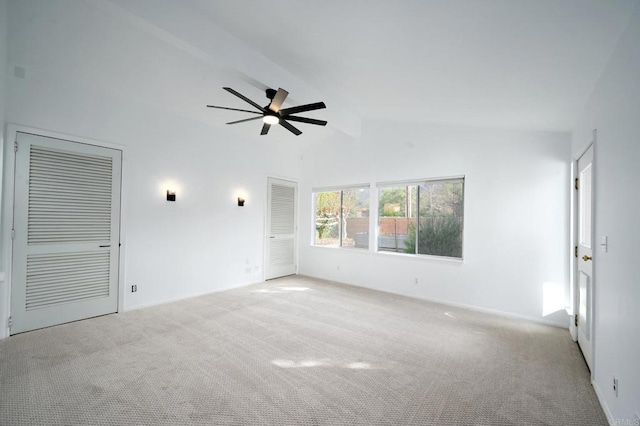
<point x="615" y="386"/>
<point x="134" y="288"/>
<point x="416" y="280"/>
<point x="338" y="267"/>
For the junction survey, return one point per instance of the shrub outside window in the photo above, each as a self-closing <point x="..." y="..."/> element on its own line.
<point x="422" y="217"/>
<point x="342" y="218"/>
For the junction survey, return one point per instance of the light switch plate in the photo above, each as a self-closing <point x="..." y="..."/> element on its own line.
<point x="603" y="243"/>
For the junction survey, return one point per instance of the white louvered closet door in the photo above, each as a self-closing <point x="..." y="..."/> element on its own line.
<point x="67" y="232"/>
<point x="281" y="253"/>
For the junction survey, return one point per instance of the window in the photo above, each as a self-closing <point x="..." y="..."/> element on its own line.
<point x="422" y="217"/>
<point x="342" y="218"/>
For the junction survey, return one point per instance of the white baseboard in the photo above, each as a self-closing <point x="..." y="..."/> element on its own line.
<point x="603" y="404"/>
<point x="189" y="296"/>
<point x="459" y="305"/>
<point x="495" y="312"/>
<point x="4" y="333"/>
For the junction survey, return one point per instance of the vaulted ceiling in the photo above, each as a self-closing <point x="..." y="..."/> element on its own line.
<point x="506" y="63"/>
<point x="522" y="64"/>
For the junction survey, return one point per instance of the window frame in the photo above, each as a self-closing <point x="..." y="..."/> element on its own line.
<point x="418" y="182"/>
<point x="374" y="217"/>
<point x="341" y="189"/>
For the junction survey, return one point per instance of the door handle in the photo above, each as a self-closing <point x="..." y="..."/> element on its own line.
<point x="107" y="245"/>
<point x="272" y="236"/>
<point x="585" y="258"/>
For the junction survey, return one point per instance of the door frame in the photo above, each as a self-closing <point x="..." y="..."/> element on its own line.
<point x="265" y="257"/>
<point x="8" y="197"/>
<point x="574" y="276"/>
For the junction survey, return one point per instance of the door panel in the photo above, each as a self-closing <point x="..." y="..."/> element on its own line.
<point x="584" y="312"/>
<point x="281" y="256"/>
<point x="66" y="222"/>
<point x="585" y="255"/>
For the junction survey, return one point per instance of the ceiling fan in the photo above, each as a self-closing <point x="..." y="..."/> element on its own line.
<point x="273" y="114"/>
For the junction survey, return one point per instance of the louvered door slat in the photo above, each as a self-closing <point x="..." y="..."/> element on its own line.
<point x="69" y="290"/>
<point x="80" y="194"/>
<point x="60" y="276"/>
<point x="65" y="299"/>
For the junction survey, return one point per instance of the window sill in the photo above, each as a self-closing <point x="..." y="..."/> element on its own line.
<point x="353" y="249"/>
<point x="413" y="257"/>
<point x="423" y="257"/>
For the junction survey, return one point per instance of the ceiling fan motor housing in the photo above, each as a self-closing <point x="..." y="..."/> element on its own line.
<point x="271" y="93"/>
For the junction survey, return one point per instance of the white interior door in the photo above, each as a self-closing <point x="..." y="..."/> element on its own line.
<point x="66" y="232"/>
<point x="585" y="255"/>
<point x="281" y="243"/>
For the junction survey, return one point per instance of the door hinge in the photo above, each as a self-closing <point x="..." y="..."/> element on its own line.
<point x="575" y="251"/>
<point x="13" y="234"/>
<point x="577" y="183"/>
<point x="575" y="320"/>
<point x="15" y="146"/>
<point x="10" y="322"/>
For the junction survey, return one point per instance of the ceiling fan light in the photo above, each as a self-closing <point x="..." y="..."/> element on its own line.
<point x="271" y="119"/>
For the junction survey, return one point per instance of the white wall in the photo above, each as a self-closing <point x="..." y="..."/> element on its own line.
<point x="613" y="110"/>
<point x="516" y="215"/>
<point x="4" y="307"/>
<point x="94" y="74"/>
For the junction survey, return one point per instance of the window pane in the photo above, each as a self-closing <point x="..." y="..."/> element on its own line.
<point x="327" y="218"/>
<point x="355" y="218"/>
<point x="396" y="218"/>
<point x="440" y="218"/>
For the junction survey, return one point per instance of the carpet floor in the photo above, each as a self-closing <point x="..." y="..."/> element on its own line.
<point x="296" y="351"/>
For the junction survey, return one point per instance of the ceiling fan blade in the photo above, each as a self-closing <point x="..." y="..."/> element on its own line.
<point x="278" y="99"/>
<point x="305" y="120"/>
<point x="244" y="98"/>
<point x="290" y="128"/>
<point x="233" y="109"/>
<point x="265" y="128"/>
<point x="242" y="121"/>
<point x="302" y="108"/>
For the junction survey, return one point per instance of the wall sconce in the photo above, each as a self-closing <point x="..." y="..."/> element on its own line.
<point x="171" y="195"/>
<point x="240" y="202"/>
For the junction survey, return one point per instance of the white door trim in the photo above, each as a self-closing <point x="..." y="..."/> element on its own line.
<point x="8" y="196"/>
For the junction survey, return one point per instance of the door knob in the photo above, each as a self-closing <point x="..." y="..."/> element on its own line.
<point x="585" y="258"/>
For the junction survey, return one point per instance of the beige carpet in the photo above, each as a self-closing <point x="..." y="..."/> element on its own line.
<point x="296" y="351"/>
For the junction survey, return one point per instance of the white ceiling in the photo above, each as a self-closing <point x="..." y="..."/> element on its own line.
<point x="523" y="64"/>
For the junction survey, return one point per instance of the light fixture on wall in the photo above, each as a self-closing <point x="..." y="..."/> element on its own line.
<point x="171" y="195"/>
<point x="240" y="202"/>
